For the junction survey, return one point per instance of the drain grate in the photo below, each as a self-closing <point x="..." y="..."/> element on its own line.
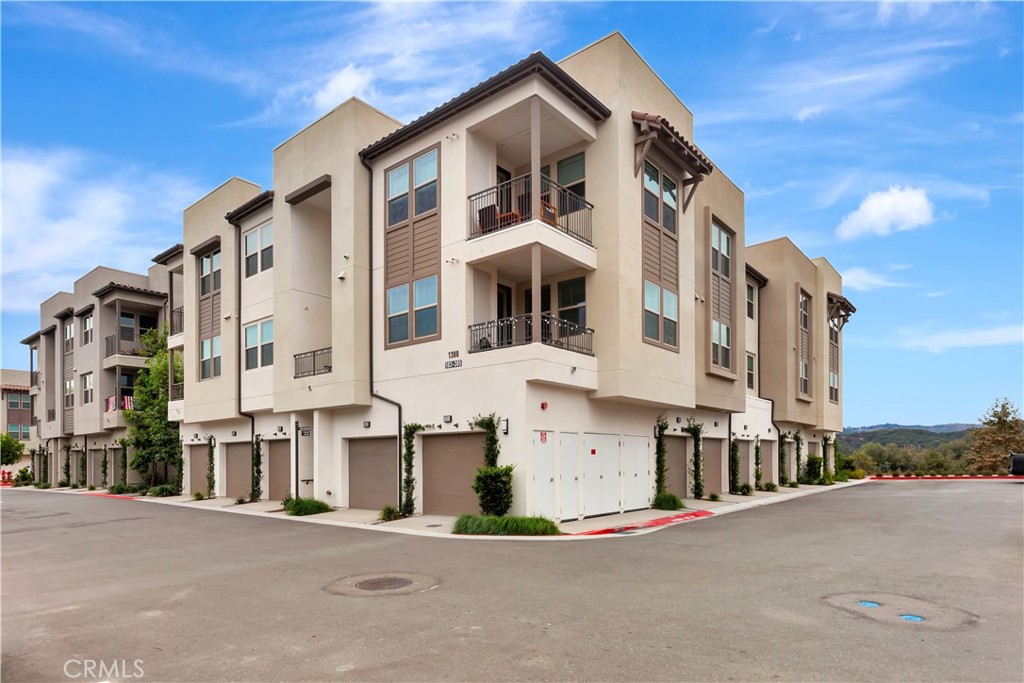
<point x="383" y="583"/>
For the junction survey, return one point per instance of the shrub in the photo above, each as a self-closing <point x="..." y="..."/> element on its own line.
<point x="198" y="495"/>
<point x="714" y="496"/>
<point x="241" y="500"/>
<point x="46" y="485"/>
<point x="389" y="513"/>
<point x="493" y="485"/>
<point x="300" y="507"/>
<point x="771" y="486"/>
<point x="734" y="466"/>
<point x="91" y="487"/>
<point x="63" y="483"/>
<point x="858" y="473"/>
<point x="487" y="525"/>
<point x="74" y="486"/>
<point x="162" y="491"/>
<point x="794" y="485"/>
<point x="745" y="489"/>
<point x="666" y="500"/>
<point x="118" y="489"/>
<point x="841" y="476"/>
<point x="812" y="470"/>
<point x="23" y="478"/>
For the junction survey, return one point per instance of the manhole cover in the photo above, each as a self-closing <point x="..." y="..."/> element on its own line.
<point x="900" y="609"/>
<point x="383" y="583"/>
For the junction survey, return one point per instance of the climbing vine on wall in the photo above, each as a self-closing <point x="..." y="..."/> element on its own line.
<point x="783" y="465"/>
<point x="489" y="423"/>
<point x="826" y="473"/>
<point x="123" y="443"/>
<point x="696" y="430"/>
<point x="67" y="466"/>
<point x="256" y="491"/>
<point x="799" y="454"/>
<point x="211" y="477"/>
<point x="81" y="466"/>
<point x="407" y="505"/>
<point x="758" y="484"/>
<point x="179" y="465"/>
<point x="104" y="466"/>
<point x="659" y="455"/>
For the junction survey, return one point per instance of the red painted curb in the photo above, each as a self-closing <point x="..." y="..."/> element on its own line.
<point x="111" y="495"/>
<point x="661" y="521"/>
<point x="940" y="477"/>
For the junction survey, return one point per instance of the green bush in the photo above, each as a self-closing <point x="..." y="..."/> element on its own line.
<point x="198" y="495"/>
<point x="91" y="487"/>
<point x="858" y="473"/>
<point x="488" y="525"/>
<point x="22" y="478"/>
<point x="117" y="489"/>
<point x="771" y="486"/>
<point x="241" y="500"/>
<point x="389" y="513"/>
<point x="812" y="470"/>
<point x="162" y="491"/>
<point x="745" y="489"/>
<point x="74" y="486"/>
<point x="714" y="496"/>
<point x="841" y="476"/>
<point x="300" y="507"/>
<point x="62" y="484"/>
<point x="493" y="485"/>
<point x="45" y="485"/>
<point x="794" y="485"/>
<point x="667" y="500"/>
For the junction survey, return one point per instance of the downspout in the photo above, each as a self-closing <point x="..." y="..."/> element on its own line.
<point x="373" y="392"/>
<point x="729" y="427"/>
<point x="241" y="348"/>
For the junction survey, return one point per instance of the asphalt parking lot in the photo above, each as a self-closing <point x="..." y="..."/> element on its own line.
<point x="771" y="593"/>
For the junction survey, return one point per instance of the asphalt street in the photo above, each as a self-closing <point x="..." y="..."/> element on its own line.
<point x="771" y="593"/>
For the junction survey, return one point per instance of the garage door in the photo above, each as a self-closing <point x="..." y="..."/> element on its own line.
<point x="601" y="474"/>
<point x="238" y="481"/>
<point x="713" y="465"/>
<point x="372" y="473"/>
<point x="279" y="469"/>
<point x="197" y="469"/>
<point x="449" y="465"/>
<point x="676" y="465"/>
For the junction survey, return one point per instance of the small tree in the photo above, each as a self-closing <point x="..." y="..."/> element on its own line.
<point x="154" y="438"/>
<point x="1001" y="433"/>
<point x="11" y="449"/>
<point x="104" y="466"/>
<point x="179" y="473"/>
<point x="783" y="460"/>
<point x="407" y="505"/>
<point x="758" y="485"/>
<point x="826" y="472"/>
<point x="82" y="466"/>
<point x="734" y="465"/>
<point x="799" y="440"/>
<point x="67" y="466"/>
<point x="659" y="456"/>
<point x="123" y="456"/>
<point x="256" y="492"/>
<point x="44" y="465"/>
<point x="696" y="430"/>
<point x="32" y="453"/>
<point x="211" y="479"/>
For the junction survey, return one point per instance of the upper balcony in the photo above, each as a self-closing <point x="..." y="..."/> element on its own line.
<point x="509" y="204"/>
<point x="124" y="348"/>
<point x="177" y="326"/>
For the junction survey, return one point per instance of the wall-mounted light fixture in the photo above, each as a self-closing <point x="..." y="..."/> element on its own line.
<point x="366" y="424"/>
<point x="195" y="436"/>
<point x="234" y="432"/>
<point x="447" y="419"/>
<point x="716" y="423"/>
<point x="744" y="427"/>
<point x="280" y="428"/>
<point x="679" y="420"/>
<point x="504" y="425"/>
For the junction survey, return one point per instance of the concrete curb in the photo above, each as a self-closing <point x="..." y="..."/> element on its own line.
<point x="949" y="477"/>
<point x="618" y="531"/>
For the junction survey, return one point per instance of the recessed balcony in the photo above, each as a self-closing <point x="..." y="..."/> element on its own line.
<point x="510" y="203"/>
<point x="518" y="330"/>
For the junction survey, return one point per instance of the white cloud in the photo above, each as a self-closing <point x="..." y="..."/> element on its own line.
<point x="936" y="294"/>
<point x="65" y="212"/>
<point x="881" y="213"/>
<point x="862" y="279"/>
<point x="807" y="113"/>
<point x="349" y="81"/>
<point x="937" y="342"/>
<point x="899" y="266"/>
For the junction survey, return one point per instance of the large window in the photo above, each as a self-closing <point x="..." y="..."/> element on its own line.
<point x="259" y="344"/>
<point x="721" y="297"/>
<point x="805" y="343"/>
<point x="209" y="273"/>
<point x="572" y="301"/>
<point x="259" y="249"/>
<point x="87" y="323"/>
<point x="69" y="393"/>
<point x="86" y="388"/>
<point x="661" y="314"/>
<point x="423" y="171"/>
<point x="14" y="401"/>
<point x="69" y="337"/>
<point x="661" y="197"/>
<point x="572" y="175"/>
<point x="833" y="360"/>
<point x="424" y="311"/>
<point x="209" y="358"/>
<point x="126" y="327"/>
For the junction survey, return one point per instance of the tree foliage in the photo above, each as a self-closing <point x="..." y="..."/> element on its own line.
<point x="1001" y="433"/>
<point x="153" y="438"/>
<point x="10" y="449"/>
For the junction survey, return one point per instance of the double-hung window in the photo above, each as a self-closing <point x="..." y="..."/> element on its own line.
<point x="69" y="393"/>
<point x="804" y="332"/>
<point x="209" y="358"/>
<point x="750" y="371"/>
<point x="572" y="176"/>
<point x="259" y="344"/>
<point x="13" y="401"/>
<point x="26" y="401"/>
<point x="661" y="197"/>
<point x="750" y="301"/>
<point x="424" y="311"/>
<point x="26" y="432"/>
<point x="69" y="337"/>
<point x="209" y="273"/>
<point x="833" y="360"/>
<point x="572" y="301"/>
<point x="259" y="249"/>
<point x="87" y="323"/>
<point x="721" y="297"/>
<point x="86" y="388"/>
<point x="661" y="314"/>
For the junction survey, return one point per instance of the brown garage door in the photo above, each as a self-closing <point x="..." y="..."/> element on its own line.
<point x="197" y="464"/>
<point x="676" y="465"/>
<point x="713" y="482"/>
<point x="449" y="465"/>
<point x="372" y="473"/>
<point x="239" y="470"/>
<point x="279" y="469"/>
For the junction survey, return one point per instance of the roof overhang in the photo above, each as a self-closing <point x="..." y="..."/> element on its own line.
<point x="536" y="64"/>
<point x="205" y="245"/>
<point x="840" y="309"/>
<point x="116" y="286"/>
<point x="263" y="199"/>
<point x="84" y="309"/>
<point x="166" y="255"/>
<point x="756" y="275"/>
<point x="32" y="337"/>
<point x="64" y="313"/>
<point x="655" y="130"/>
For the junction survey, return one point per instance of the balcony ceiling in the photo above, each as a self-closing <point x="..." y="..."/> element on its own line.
<point x="514" y="265"/>
<point x="510" y="131"/>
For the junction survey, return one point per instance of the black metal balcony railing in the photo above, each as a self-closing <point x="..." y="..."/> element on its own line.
<point x="35" y="421"/>
<point x="123" y="344"/>
<point x="178" y="320"/>
<point x="510" y="203"/>
<point x="51" y="414"/>
<point x="313" y="362"/>
<point x="518" y="330"/>
<point x="34" y="378"/>
<point x="177" y="391"/>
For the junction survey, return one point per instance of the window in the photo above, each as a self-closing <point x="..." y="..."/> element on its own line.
<point x="69" y="393"/>
<point x="26" y="432"/>
<point x="209" y="273"/>
<point x="14" y="401"/>
<point x="661" y="314"/>
<point x="259" y="249"/>
<point x="833" y="360"/>
<point x="398" y="314"/>
<point x="69" y="337"/>
<point x="572" y="301"/>
<point x="425" y="182"/>
<point x="86" y="388"/>
<point x="424" y="313"/>
<point x="805" y="343"/>
<point x="14" y="430"/>
<point x="425" y="306"/>
<point x="750" y="301"/>
<point x="146" y="323"/>
<point x="750" y="371"/>
<point x="833" y="386"/>
<point x="661" y="197"/>
<point x="126" y="327"/>
<point x="423" y="170"/>
<point x="127" y="383"/>
<point x="259" y="344"/>
<point x="571" y="176"/>
<point x="721" y="297"/>
<point x="209" y="358"/>
<point x="87" y="330"/>
<point x="26" y="401"/>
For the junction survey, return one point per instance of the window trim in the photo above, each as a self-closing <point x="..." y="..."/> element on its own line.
<point x="87" y="388"/>
<point x="69" y="393"/>
<point x="87" y="329"/>
<point x="410" y="191"/>
<point x="215" y="256"/>
<point x="751" y="302"/>
<point x="69" y="337"/>
<point x="660" y="341"/>
<point x="804" y="323"/>
<point x="214" y="359"/>
<point x="731" y="371"/>
<point x="660" y="198"/>
<point x="263" y="252"/>
<point x="261" y="344"/>
<point x="751" y="372"/>
<point x="410" y="313"/>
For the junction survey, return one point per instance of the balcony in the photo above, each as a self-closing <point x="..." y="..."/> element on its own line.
<point x="313" y="363"/>
<point x="177" y="320"/>
<point x="177" y="392"/>
<point x="51" y="414"/>
<point x="123" y="402"/>
<point x="123" y="349"/>
<point x="509" y="204"/>
<point x="518" y="330"/>
<point x="34" y="378"/>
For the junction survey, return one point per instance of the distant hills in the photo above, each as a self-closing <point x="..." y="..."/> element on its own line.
<point x="939" y="429"/>
<point x="916" y="436"/>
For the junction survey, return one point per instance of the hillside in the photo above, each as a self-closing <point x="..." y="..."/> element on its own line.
<point x="901" y="436"/>
<point x="940" y="429"/>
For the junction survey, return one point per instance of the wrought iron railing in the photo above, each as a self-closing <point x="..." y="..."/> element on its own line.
<point x="518" y="330"/>
<point x="178" y="320"/>
<point x="122" y="344"/>
<point x="510" y="203"/>
<point x="177" y="391"/>
<point x="34" y="378"/>
<point x="51" y="414"/>
<point x="313" y="362"/>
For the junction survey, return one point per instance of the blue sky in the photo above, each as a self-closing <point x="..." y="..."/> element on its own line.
<point x="887" y="137"/>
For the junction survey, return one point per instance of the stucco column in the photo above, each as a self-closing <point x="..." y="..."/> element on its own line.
<point x="535" y="180"/>
<point x="535" y="292"/>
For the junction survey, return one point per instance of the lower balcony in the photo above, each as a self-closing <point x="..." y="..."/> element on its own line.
<point x="311" y="363"/>
<point x="518" y="330"/>
<point x="113" y="414"/>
